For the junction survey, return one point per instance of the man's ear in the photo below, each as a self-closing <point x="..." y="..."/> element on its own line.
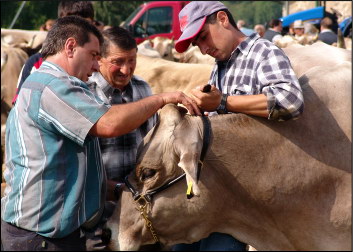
<point x="223" y="19"/>
<point x="70" y="45"/>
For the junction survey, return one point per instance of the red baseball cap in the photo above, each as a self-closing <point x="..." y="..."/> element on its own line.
<point x="192" y="18"/>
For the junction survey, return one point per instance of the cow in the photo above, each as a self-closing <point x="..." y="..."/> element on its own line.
<point x="12" y="60"/>
<point x="165" y="76"/>
<point x="273" y="185"/>
<point x="145" y="48"/>
<point x="303" y="58"/>
<point x="29" y="41"/>
<point x="193" y="55"/>
<point x="164" y="46"/>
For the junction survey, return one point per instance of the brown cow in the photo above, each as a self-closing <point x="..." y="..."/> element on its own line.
<point x="165" y="76"/>
<point x="274" y="185"/>
<point x="12" y="60"/>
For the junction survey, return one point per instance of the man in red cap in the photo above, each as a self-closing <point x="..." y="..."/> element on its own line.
<point x="251" y="74"/>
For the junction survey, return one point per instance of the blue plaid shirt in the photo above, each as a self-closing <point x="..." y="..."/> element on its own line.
<point x="119" y="153"/>
<point x="257" y="66"/>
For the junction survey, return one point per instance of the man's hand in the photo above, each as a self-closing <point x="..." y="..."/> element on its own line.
<point x="179" y="97"/>
<point x="207" y="101"/>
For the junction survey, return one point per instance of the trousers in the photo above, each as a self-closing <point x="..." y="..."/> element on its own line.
<point x="17" y="239"/>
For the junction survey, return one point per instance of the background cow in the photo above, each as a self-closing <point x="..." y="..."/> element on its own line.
<point x="165" y="76"/>
<point x="273" y="185"/>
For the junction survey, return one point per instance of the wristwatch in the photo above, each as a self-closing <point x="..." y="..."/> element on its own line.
<point x="222" y="106"/>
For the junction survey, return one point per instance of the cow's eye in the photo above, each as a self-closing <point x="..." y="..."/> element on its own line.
<point x="147" y="173"/>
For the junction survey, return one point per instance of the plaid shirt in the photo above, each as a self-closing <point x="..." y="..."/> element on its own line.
<point x="119" y="153"/>
<point x="257" y="66"/>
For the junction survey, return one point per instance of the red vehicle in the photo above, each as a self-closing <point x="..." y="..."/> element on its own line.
<point x="152" y="19"/>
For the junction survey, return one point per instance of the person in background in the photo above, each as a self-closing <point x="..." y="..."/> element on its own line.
<point x="251" y="76"/>
<point x="326" y="34"/>
<point x="273" y="33"/>
<point x="82" y="9"/>
<point x="115" y="83"/>
<point x="242" y="27"/>
<point x="55" y="178"/>
<point x="99" y="25"/>
<point x="260" y="29"/>
<point x="48" y="25"/>
<point x="299" y="33"/>
<point x="298" y="27"/>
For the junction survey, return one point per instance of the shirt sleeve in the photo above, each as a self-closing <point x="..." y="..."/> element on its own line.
<point x="69" y="107"/>
<point x="281" y="86"/>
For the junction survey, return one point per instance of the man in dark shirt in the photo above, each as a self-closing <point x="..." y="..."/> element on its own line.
<point x="326" y="34"/>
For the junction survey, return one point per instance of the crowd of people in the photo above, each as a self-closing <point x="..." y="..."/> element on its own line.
<point x="79" y="115"/>
<point x="299" y="31"/>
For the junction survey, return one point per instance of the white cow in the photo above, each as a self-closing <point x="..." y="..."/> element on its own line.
<point x="22" y="38"/>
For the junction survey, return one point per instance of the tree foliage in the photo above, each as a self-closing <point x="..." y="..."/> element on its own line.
<point x="32" y="16"/>
<point x="114" y="12"/>
<point x="35" y="13"/>
<point x="255" y="12"/>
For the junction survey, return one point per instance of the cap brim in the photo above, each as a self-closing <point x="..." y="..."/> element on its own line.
<point x="189" y="33"/>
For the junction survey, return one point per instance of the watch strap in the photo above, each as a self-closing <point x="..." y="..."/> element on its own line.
<point x="222" y="106"/>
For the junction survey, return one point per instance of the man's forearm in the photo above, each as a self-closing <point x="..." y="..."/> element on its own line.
<point x="123" y="118"/>
<point x="248" y="104"/>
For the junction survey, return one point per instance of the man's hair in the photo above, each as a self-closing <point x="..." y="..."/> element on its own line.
<point x="274" y="23"/>
<point x="326" y="22"/>
<point x="211" y="19"/>
<point x="119" y="37"/>
<point x="79" y="8"/>
<point x="66" y="27"/>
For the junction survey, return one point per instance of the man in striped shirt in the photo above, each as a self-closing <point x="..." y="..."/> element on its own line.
<point x="251" y="76"/>
<point x="55" y="179"/>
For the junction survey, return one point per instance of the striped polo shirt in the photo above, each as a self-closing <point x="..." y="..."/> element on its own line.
<point x="54" y="170"/>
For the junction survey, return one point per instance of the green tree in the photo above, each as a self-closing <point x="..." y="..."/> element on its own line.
<point x="114" y="12"/>
<point x="35" y="13"/>
<point x="32" y="16"/>
<point x="255" y="12"/>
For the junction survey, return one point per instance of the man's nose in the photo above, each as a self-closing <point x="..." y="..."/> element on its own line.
<point x="125" y="68"/>
<point x="95" y="66"/>
<point x="203" y="48"/>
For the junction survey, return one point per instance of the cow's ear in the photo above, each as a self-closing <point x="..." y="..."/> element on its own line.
<point x="189" y="159"/>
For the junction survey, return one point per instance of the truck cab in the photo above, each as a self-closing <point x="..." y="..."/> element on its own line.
<point x="152" y="19"/>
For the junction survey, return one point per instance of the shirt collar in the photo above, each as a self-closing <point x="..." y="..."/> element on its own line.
<point x="104" y="85"/>
<point x="48" y="64"/>
<point x="244" y="47"/>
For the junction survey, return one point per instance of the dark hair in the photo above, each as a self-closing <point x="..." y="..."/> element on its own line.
<point x="79" y="8"/>
<point x="211" y="19"/>
<point x="119" y="37"/>
<point x="274" y="22"/>
<point x="66" y="27"/>
<point x="326" y="22"/>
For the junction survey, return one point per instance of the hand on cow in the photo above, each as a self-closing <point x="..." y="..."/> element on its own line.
<point x="179" y="97"/>
<point x="207" y="101"/>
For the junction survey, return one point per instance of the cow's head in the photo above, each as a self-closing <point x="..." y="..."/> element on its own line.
<point x="171" y="148"/>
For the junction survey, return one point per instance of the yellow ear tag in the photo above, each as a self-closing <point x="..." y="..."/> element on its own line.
<point x="188" y="191"/>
